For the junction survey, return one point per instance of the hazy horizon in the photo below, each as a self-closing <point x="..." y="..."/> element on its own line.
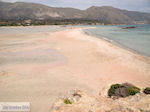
<point x="132" y="5"/>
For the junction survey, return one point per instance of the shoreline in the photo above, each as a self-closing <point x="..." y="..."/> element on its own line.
<point x="118" y="44"/>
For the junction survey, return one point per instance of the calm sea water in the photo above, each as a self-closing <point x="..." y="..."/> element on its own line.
<point x="137" y="39"/>
<point x="30" y="29"/>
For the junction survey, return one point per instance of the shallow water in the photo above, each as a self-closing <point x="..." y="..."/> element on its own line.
<point x="29" y="29"/>
<point x="137" y="39"/>
<point x="23" y="50"/>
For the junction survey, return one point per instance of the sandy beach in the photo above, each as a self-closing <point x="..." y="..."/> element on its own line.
<point x="42" y="67"/>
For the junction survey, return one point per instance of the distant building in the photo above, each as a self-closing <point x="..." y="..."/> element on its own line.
<point x="27" y="22"/>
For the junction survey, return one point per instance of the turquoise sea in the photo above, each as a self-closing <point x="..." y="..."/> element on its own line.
<point x="137" y="39"/>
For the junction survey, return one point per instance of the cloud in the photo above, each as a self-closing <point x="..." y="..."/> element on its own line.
<point x="8" y="0"/>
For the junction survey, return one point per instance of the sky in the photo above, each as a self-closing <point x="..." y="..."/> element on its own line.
<point x="133" y="5"/>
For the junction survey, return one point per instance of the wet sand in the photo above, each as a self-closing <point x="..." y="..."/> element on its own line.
<point x="39" y="68"/>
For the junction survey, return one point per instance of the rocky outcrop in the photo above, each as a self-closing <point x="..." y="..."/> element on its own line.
<point x="82" y="102"/>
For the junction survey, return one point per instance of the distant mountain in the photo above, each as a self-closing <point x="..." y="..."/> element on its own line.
<point x="21" y="11"/>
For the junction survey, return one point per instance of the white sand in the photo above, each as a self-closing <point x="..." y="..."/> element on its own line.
<point x="39" y="68"/>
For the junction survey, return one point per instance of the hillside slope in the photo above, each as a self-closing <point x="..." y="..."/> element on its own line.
<point x="21" y="11"/>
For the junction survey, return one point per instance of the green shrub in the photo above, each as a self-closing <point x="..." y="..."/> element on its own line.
<point x="147" y="90"/>
<point x="133" y="90"/>
<point x="112" y="89"/>
<point x="67" y="101"/>
<point x="123" y="90"/>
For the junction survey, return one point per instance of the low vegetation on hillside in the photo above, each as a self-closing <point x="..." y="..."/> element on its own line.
<point x="123" y="90"/>
<point x="133" y="100"/>
<point x="147" y="90"/>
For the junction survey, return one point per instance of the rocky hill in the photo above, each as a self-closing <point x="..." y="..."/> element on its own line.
<point x="105" y="14"/>
<point x="21" y="10"/>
